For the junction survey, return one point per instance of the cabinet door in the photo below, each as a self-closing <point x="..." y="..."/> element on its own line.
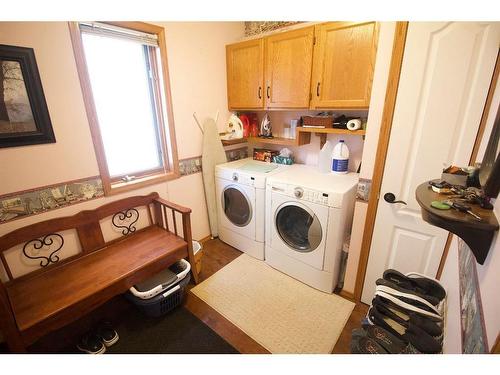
<point x="288" y="68"/>
<point x="245" y="74"/>
<point x="344" y="58"/>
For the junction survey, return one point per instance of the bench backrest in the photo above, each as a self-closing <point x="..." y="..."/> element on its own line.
<point x="45" y="234"/>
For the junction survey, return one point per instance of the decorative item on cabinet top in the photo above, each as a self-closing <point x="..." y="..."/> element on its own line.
<point x="260" y="27"/>
<point x="21" y="204"/>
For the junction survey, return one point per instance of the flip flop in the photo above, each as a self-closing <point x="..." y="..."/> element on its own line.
<point x="417" y="282"/>
<point x="405" y="318"/>
<point x="407" y="296"/>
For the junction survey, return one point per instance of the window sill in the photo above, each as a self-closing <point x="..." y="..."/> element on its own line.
<point x="114" y="188"/>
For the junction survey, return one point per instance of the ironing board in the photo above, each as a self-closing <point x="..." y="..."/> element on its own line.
<point x="213" y="154"/>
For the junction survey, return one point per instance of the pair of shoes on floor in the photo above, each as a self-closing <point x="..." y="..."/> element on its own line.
<point x="414" y="288"/>
<point x="419" y="333"/>
<point x="97" y="340"/>
<point x="406" y="312"/>
<point x="372" y="339"/>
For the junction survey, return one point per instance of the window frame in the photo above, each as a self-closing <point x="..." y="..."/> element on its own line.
<point x="163" y="101"/>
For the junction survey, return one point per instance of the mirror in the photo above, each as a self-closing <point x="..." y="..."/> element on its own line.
<point x="489" y="173"/>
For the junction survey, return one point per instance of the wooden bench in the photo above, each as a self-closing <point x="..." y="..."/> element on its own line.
<point x="63" y="290"/>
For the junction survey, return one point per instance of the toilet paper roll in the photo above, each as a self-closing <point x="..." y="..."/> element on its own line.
<point x="354" y="124"/>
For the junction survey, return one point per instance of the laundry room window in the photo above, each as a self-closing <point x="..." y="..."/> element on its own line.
<point x="124" y="78"/>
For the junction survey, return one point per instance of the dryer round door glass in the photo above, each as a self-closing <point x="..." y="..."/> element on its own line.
<point x="236" y="206"/>
<point x="300" y="229"/>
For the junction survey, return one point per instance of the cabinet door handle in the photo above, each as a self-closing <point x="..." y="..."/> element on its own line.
<point x="317" y="88"/>
<point x="260" y="92"/>
<point x="267" y="91"/>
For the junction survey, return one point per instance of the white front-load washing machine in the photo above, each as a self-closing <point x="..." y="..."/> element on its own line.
<point x="240" y="191"/>
<point x="308" y="215"/>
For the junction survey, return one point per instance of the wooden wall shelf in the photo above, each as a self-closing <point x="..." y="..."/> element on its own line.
<point x="323" y="132"/>
<point x="302" y="137"/>
<point x="478" y="235"/>
<point x="300" y="140"/>
<point x="274" y="141"/>
<point x="330" y="131"/>
<point x="230" y="142"/>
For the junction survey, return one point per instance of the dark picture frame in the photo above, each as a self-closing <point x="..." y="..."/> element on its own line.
<point x="18" y="64"/>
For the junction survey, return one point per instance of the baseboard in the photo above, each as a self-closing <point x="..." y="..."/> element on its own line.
<point x="347" y="295"/>
<point x="205" y="239"/>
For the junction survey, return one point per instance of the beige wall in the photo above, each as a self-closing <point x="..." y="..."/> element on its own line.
<point x="196" y="53"/>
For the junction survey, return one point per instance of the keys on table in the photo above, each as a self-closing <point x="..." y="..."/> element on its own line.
<point x="462" y="208"/>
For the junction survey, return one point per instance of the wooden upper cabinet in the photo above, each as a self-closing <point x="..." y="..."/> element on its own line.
<point x="245" y="74"/>
<point x="288" y="65"/>
<point x="344" y="58"/>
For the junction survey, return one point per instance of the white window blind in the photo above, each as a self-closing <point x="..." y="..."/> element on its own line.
<point x="112" y="31"/>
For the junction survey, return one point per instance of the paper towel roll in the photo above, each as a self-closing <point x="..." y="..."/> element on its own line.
<point x="354" y="124"/>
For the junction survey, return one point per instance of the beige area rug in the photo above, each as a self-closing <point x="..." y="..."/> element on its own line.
<point x="280" y="313"/>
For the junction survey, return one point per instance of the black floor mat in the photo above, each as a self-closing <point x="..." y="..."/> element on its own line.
<point x="178" y="332"/>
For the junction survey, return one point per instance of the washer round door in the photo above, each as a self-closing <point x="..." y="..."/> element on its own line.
<point x="236" y="206"/>
<point x="298" y="227"/>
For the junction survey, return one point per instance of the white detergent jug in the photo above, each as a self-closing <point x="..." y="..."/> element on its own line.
<point x="325" y="158"/>
<point x="340" y="158"/>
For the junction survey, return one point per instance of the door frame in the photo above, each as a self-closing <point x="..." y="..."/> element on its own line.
<point x="383" y="145"/>
<point x="398" y="48"/>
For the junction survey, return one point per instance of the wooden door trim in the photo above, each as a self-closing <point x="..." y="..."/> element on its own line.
<point x="475" y="149"/>
<point x="444" y="256"/>
<point x="382" y="147"/>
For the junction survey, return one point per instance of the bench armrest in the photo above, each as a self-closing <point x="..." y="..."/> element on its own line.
<point x="161" y="219"/>
<point x="173" y="206"/>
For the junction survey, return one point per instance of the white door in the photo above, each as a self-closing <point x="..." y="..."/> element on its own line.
<point x="445" y="76"/>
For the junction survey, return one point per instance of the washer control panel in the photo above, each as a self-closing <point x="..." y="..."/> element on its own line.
<point x="242" y="178"/>
<point x="314" y="196"/>
<point x="301" y="193"/>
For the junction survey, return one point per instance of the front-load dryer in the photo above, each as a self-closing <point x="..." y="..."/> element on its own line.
<point x="240" y="191"/>
<point x="308" y="216"/>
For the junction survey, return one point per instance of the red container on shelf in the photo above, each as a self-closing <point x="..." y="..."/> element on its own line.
<point x="246" y="125"/>
<point x="254" y="126"/>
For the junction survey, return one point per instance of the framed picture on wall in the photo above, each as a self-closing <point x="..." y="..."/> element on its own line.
<point x="24" y="117"/>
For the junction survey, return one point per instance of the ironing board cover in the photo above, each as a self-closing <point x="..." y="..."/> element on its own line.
<point x="213" y="154"/>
